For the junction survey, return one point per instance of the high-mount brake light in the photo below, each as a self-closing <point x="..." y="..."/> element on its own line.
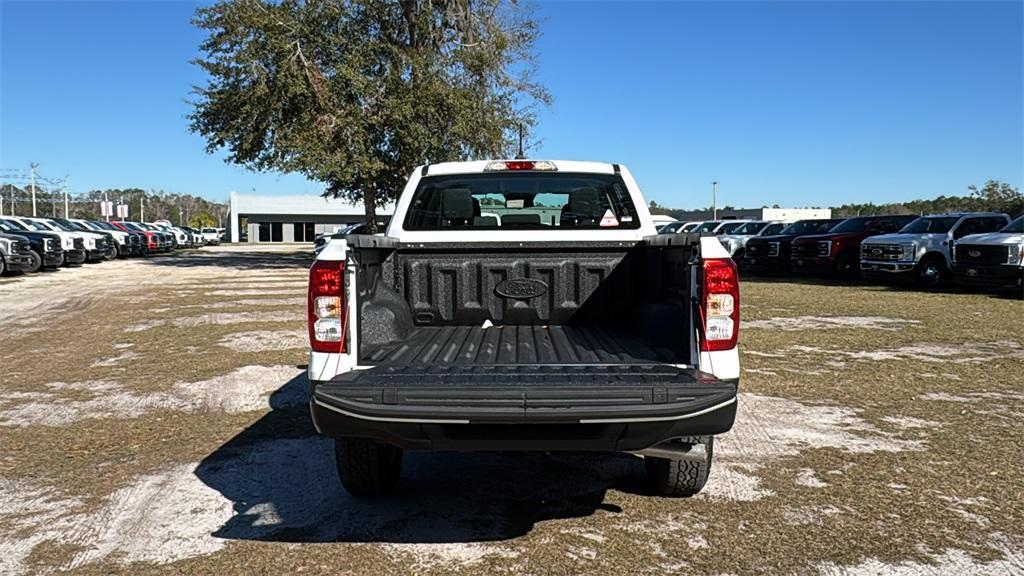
<point x="503" y="165"/>
<point x="720" y="307"/>
<point x="327" y="314"/>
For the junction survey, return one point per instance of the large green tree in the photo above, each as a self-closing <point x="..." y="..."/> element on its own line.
<point x="355" y="93"/>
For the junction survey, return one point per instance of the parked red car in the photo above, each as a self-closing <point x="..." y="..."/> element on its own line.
<point x="838" y="251"/>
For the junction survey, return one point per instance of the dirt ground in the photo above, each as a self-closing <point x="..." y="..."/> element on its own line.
<point x="153" y="420"/>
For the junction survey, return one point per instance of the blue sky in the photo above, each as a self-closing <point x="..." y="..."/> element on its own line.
<point x="795" y="103"/>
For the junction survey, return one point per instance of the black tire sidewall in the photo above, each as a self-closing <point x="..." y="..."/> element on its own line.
<point x="663" y="475"/>
<point x="37" y="261"/>
<point x="845" y="265"/>
<point x="367" y="468"/>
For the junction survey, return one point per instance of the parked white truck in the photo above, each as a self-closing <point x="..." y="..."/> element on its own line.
<point x="922" y="250"/>
<point x="992" y="260"/>
<point x="568" y="324"/>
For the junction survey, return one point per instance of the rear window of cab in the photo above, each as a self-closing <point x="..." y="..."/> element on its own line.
<point x="521" y="201"/>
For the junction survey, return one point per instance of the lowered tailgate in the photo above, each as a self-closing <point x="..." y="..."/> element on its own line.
<point x="513" y="394"/>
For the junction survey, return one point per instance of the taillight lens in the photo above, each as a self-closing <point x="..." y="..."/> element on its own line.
<point x="327" y="313"/>
<point x="721" y="305"/>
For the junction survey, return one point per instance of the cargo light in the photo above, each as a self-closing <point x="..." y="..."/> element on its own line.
<point x="720" y="308"/>
<point x="502" y="165"/>
<point x="327" y="313"/>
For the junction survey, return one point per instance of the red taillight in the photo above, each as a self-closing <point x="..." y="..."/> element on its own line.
<point x="327" y="313"/>
<point x="720" y="305"/>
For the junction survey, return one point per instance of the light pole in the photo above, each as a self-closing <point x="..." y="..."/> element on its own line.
<point x="714" y="199"/>
<point x="33" y="167"/>
<point x="65" y="187"/>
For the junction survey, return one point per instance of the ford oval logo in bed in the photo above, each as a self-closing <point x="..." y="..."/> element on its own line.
<point x="521" y="288"/>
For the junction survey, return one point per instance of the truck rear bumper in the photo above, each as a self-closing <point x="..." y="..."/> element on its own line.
<point x="438" y="409"/>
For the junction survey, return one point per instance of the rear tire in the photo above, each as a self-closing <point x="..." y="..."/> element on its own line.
<point x="367" y="468"/>
<point x="677" y="478"/>
<point x="932" y="272"/>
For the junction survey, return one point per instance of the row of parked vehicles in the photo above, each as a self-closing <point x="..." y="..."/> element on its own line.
<point x="983" y="249"/>
<point x="32" y="244"/>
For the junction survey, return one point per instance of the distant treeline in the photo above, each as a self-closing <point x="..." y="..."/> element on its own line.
<point x="994" y="196"/>
<point x="157" y="205"/>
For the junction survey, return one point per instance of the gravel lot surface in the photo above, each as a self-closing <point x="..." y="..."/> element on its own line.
<point x="153" y="421"/>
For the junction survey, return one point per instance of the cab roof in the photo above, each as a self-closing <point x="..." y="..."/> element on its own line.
<point x="480" y="166"/>
<point x="961" y="214"/>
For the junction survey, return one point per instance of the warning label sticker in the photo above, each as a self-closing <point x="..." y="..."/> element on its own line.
<point x="609" y="219"/>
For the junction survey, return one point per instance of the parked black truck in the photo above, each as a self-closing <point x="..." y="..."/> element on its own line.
<point x="45" y="247"/>
<point x="770" y="254"/>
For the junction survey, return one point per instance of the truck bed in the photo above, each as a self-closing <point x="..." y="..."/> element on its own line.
<point x="520" y="345"/>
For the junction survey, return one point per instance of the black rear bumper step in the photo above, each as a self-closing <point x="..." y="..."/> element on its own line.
<point x="570" y="407"/>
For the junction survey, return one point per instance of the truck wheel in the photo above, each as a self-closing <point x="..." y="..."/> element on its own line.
<point x="932" y="272"/>
<point x="367" y="468"/>
<point x="846" y="266"/>
<point x="678" y="477"/>
<point x="112" y="253"/>
<point x="37" y="262"/>
<point x="3" y="266"/>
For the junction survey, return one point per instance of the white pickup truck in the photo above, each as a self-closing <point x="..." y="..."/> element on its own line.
<point x="923" y="249"/>
<point x="523" y="305"/>
<point x="992" y="260"/>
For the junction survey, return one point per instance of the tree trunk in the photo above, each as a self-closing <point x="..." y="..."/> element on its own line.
<point x="370" y="205"/>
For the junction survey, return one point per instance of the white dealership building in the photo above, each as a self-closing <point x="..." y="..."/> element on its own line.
<point x="292" y="218"/>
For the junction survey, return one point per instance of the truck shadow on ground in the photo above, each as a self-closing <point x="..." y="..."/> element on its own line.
<point x="280" y="476"/>
<point x="248" y="261"/>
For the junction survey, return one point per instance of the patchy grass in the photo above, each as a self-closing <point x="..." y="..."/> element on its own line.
<point x="884" y="420"/>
